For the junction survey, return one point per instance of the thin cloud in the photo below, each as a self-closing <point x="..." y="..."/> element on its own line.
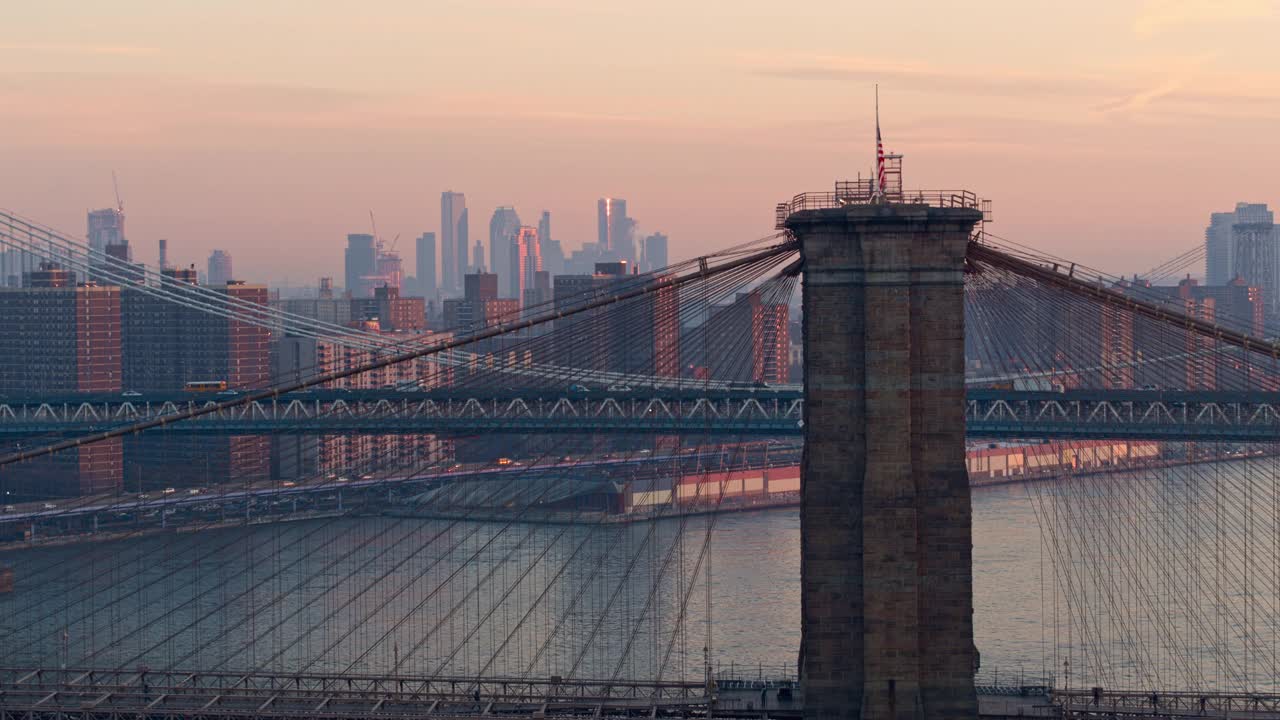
<point x="1158" y="16"/>
<point x="1142" y="99"/>
<point x="1169" y="86"/>
<point x="1182" y="74"/>
<point x="922" y="76"/>
<point x="79" y="49"/>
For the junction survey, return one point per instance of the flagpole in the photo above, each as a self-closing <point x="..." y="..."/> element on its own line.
<point x="878" y="192"/>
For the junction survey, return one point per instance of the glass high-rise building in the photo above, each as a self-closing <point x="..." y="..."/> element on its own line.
<point x="453" y="240"/>
<point x="544" y="226"/>
<point x="654" y="249"/>
<point x="503" y="227"/>
<point x="550" y="249"/>
<point x="614" y="231"/>
<point x="525" y="260"/>
<point x="426" y="268"/>
<point x="361" y="262"/>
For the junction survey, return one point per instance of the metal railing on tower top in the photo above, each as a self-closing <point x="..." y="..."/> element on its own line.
<point x="862" y="192"/>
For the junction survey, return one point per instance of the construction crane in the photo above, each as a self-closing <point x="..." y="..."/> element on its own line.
<point x="377" y="240"/>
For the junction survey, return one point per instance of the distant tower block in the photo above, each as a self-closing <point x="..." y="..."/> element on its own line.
<point x="886" y="527"/>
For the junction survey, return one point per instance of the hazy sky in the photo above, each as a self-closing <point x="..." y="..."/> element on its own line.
<point x="1103" y="130"/>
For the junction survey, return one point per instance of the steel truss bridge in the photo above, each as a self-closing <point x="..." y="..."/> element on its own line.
<point x="1207" y="415"/>
<point x="998" y="414"/>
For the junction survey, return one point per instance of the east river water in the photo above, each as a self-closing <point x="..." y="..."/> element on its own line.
<point x="433" y="597"/>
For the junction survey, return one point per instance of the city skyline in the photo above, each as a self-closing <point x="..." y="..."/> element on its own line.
<point x="1135" y="123"/>
<point x="503" y="225"/>
<point x="1213" y="263"/>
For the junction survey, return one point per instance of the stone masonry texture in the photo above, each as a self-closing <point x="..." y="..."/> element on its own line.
<point x="886" y="527"/>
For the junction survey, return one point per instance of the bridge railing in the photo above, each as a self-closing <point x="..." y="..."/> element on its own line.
<point x="1117" y="703"/>
<point x="93" y="682"/>
<point x="748" y="676"/>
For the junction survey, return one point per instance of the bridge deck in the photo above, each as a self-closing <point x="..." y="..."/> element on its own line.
<point x="86" y="693"/>
<point x="121" y="694"/>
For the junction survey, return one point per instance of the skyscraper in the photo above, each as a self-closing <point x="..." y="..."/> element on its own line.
<point x="550" y="249"/>
<point x="1254" y="257"/>
<point x="389" y="270"/>
<point x="655" y="252"/>
<point x="614" y="230"/>
<point x="552" y="256"/>
<point x="1219" y="245"/>
<point x="477" y="257"/>
<point x="464" y="232"/>
<point x="220" y="268"/>
<point x="106" y="237"/>
<point x="105" y="227"/>
<point x="426" y="259"/>
<point x="525" y="261"/>
<point x="1217" y="248"/>
<point x="448" y="246"/>
<point x="607" y="212"/>
<point x="361" y="261"/>
<point x="453" y="240"/>
<point x="544" y="226"/>
<point x="1245" y="243"/>
<point x="503" y="227"/>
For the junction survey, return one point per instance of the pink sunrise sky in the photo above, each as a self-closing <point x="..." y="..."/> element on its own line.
<point x="1103" y="130"/>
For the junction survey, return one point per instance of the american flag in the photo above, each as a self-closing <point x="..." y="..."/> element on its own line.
<point x="879" y="149"/>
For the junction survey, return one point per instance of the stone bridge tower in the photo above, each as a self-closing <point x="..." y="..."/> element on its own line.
<point x="886" y="527"/>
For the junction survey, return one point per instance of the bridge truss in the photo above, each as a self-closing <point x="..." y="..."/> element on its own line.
<point x="1203" y="415"/>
